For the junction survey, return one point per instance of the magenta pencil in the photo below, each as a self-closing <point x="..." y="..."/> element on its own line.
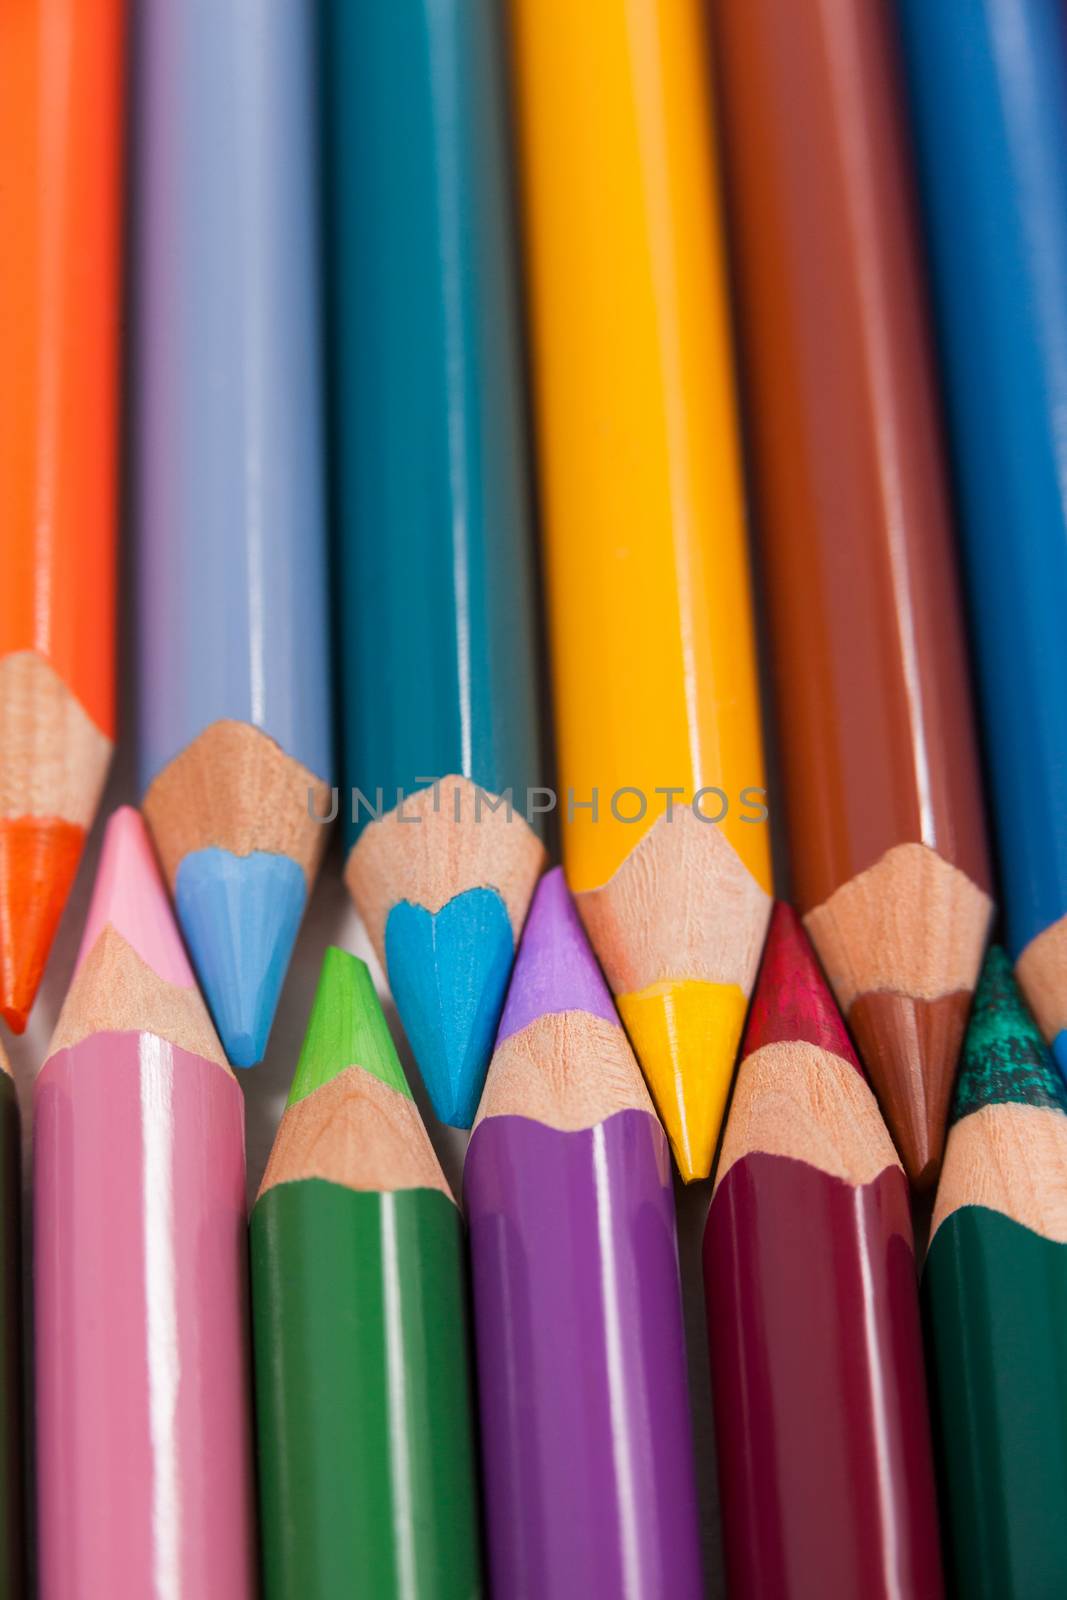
<point x="143" y="1433"/>
<point x="587" y="1452"/>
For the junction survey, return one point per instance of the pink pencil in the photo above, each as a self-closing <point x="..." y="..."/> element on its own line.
<point x="143" y="1435"/>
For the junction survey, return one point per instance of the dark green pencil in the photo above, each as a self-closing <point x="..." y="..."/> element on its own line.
<point x="363" y="1393"/>
<point x="995" y="1290"/>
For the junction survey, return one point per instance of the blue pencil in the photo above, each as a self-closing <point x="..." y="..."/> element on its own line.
<point x="988" y="83"/>
<point x="234" y="715"/>
<point x="439" y="703"/>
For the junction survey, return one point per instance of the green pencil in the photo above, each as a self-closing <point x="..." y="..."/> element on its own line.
<point x="995" y="1290"/>
<point x="363" y="1392"/>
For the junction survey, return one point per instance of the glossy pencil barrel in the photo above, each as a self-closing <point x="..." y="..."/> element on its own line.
<point x="435" y="553"/>
<point x="364" y="1403"/>
<point x="988" y="82"/>
<point x="144" y="1459"/>
<point x="62" y="95"/>
<point x="636" y="420"/>
<point x="230" y="491"/>
<point x="12" y="1499"/>
<point x="820" y="1406"/>
<point x="62" y="81"/>
<point x="582" y="1382"/>
<point x="996" y="1298"/>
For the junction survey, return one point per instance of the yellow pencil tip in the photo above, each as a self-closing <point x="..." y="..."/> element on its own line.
<point x="685" y="1035"/>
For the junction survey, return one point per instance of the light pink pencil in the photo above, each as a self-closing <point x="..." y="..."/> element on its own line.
<point x="143" y="1431"/>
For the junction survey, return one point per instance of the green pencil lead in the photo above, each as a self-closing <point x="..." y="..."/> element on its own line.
<point x="1004" y="1056"/>
<point x="347" y="1028"/>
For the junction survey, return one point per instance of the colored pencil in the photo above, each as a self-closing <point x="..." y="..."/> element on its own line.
<point x="995" y="1292"/>
<point x="234" y="685"/>
<point x="989" y="100"/>
<point x="12" y="1556"/>
<point x="589" y="1486"/>
<point x="366" y="1448"/>
<point x="825" y="1469"/>
<point x="648" y="592"/>
<point x="61" y="123"/>
<point x="885" y="824"/>
<point x="144" y="1459"/>
<point x="439" y="701"/>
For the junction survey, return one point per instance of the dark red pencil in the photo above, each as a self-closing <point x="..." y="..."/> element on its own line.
<point x="825" y="1469"/>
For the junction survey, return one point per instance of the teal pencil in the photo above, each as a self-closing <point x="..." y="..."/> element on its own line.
<point x="435" y="561"/>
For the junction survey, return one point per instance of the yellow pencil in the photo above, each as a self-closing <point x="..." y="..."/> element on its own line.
<point x="650" y="618"/>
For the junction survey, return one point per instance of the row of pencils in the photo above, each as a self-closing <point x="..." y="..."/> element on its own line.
<point x="362" y="281"/>
<point x="365" y="1432"/>
<point x="551" y="1455"/>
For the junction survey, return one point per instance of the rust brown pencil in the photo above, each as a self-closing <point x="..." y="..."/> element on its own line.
<point x="884" y="814"/>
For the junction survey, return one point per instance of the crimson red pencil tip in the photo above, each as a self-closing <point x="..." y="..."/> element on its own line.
<point x="792" y="999"/>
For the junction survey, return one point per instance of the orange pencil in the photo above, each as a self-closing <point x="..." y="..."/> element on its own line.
<point x="61" y="92"/>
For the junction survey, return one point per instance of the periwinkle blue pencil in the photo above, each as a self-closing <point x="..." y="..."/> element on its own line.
<point x="436" y="585"/>
<point x="988" y="87"/>
<point x="234" y="704"/>
<point x="589" y="1483"/>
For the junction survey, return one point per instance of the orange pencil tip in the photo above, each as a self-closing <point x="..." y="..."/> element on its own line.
<point x="38" y="860"/>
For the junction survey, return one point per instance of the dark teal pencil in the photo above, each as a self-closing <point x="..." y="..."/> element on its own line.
<point x="436" y="581"/>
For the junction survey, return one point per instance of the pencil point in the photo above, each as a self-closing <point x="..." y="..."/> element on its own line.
<point x="555" y="968"/>
<point x="347" y="1028"/>
<point x="792" y="999"/>
<point x="911" y="1047"/>
<point x="240" y="916"/>
<point x="38" y="861"/>
<point x="685" y="1036"/>
<point x="448" y="971"/>
<point x="1004" y="1056"/>
<point x="130" y="896"/>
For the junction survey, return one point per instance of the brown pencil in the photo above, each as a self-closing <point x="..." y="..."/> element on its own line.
<point x="883" y="805"/>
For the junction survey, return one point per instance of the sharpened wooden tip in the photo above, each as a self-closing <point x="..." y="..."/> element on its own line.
<point x="1042" y="971"/>
<point x="678" y="929"/>
<point x="53" y="757"/>
<point x="347" y="1028"/>
<point x="561" y="1057"/>
<point x="682" y="907"/>
<point x="566" y="1070"/>
<point x="801" y="1091"/>
<point x="358" y="1131"/>
<point x="234" y="788"/>
<point x="132" y="974"/>
<point x="441" y="842"/>
<point x="1007" y="1147"/>
<point x="902" y="945"/>
<point x="807" y="1104"/>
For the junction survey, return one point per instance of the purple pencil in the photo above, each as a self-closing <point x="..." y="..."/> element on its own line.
<point x="581" y="1357"/>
